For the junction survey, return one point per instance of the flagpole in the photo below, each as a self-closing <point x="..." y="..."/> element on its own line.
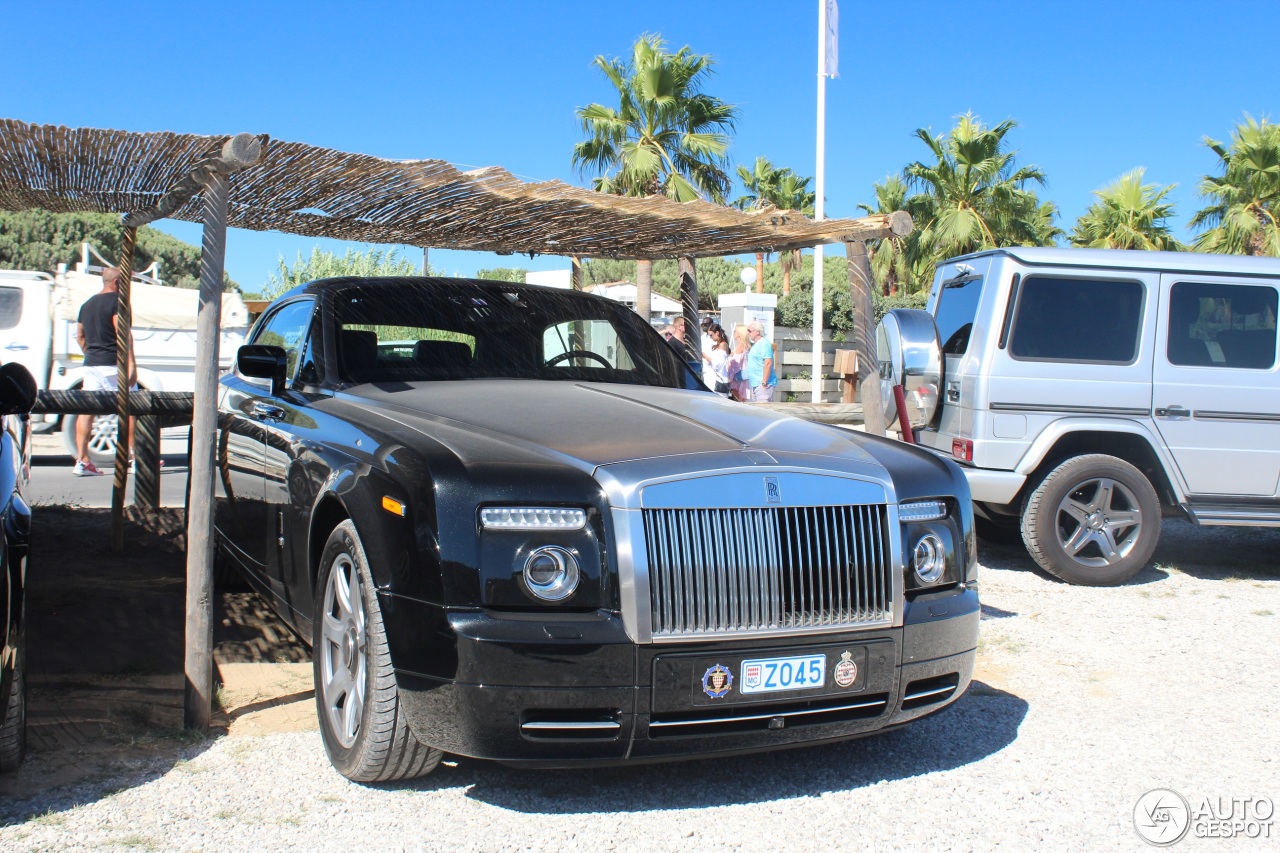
<point x="819" y="182"/>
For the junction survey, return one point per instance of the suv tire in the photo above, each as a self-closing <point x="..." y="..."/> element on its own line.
<point x="1093" y="520"/>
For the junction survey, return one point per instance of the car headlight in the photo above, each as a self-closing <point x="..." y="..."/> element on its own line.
<point x="930" y="559"/>
<point x="551" y="573"/>
<point x="532" y="518"/>
<point x="930" y="533"/>
<point x="912" y="511"/>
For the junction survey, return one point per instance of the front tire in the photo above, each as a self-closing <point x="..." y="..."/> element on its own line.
<point x="13" y="727"/>
<point x="361" y="722"/>
<point x="1094" y="521"/>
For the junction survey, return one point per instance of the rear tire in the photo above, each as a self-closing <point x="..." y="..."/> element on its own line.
<point x="13" y="728"/>
<point x="364" y="729"/>
<point x="1094" y="520"/>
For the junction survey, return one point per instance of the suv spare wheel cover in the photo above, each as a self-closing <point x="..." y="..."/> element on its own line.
<point x="909" y="354"/>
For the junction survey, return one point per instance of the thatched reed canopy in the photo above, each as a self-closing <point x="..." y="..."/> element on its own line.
<point x="318" y="192"/>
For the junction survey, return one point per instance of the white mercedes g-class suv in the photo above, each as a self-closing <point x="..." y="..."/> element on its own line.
<point x="1086" y="391"/>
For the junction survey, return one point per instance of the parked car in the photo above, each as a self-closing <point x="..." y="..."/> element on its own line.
<point x="533" y="536"/>
<point x="17" y="395"/>
<point x="1087" y="391"/>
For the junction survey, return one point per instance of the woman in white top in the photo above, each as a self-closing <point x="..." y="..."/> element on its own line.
<point x="715" y="362"/>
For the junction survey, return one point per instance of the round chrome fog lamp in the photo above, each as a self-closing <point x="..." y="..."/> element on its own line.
<point x="930" y="559"/>
<point x="551" y="573"/>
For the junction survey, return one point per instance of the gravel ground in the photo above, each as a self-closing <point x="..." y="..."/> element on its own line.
<point x="1085" y="699"/>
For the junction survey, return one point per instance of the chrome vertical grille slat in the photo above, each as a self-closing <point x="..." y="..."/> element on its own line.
<point x="729" y="571"/>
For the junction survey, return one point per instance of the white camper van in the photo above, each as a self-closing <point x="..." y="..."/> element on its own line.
<point x="38" y="312"/>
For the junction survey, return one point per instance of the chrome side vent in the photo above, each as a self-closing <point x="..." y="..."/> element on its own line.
<point x="776" y="569"/>
<point x="930" y="691"/>
<point x="572" y="725"/>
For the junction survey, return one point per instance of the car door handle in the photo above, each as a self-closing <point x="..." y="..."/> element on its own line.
<point x="267" y="412"/>
<point x="17" y="347"/>
<point x="1173" y="412"/>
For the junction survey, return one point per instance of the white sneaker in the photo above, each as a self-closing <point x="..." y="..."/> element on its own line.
<point x="85" y="469"/>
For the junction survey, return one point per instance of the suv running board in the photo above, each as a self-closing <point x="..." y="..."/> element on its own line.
<point x="1234" y="514"/>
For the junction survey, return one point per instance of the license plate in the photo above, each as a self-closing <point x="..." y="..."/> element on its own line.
<point x="805" y="672"/>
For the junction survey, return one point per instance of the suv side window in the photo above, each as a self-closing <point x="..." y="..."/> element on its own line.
<point x="957" y="308"/>
<point x="1222" y="325"/>
<point x="10" y="307"/>
<point x="1077" y="320"/>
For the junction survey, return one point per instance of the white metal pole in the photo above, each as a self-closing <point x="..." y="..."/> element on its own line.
<point x="819" y="180"/>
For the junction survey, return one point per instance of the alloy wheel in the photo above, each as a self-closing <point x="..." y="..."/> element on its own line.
<point x="1099" y="522"/>
<point x="344" y="651"/>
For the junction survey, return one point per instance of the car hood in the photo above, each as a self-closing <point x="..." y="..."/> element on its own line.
<point x="601" y="424"/>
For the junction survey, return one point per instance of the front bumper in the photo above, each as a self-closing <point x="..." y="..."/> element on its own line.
<point x="576" y="690"/>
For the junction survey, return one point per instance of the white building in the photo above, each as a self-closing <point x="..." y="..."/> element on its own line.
<point x="618" y="291"/>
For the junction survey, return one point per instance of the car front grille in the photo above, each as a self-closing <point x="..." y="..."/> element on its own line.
<point x="776" y="569"/>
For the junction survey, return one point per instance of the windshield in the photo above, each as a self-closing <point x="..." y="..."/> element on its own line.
<point x="438" y="329"/>
<point x="957" y="307"/>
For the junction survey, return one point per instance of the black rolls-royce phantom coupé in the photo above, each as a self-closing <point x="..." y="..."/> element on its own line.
<point x="514" y="525"/>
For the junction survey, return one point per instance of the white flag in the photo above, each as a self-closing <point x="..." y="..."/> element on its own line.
<point x="833" y="39"/>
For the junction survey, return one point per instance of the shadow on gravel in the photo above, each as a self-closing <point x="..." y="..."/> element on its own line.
<point x="981" y="723"/>
<point x="105" y="639"/>
<point x="1209" y="553"/>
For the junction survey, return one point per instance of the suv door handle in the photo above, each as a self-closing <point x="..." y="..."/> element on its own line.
<point x="267" y="412"/>
<point x="1174" y="411"/>
<point x="17" y="347"/>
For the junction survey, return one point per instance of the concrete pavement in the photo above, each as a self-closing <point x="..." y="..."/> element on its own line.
<point x="52" y="482"/>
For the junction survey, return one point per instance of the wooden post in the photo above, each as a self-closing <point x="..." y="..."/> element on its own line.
<point x="124" y="342"/>
<point x="575" y="272"/>
<point x="198" y="702"/>
<point x="864" y="331"/>
<point x="426" y="267"/>
<point x="210" y="174"/>
<point x="644" y="288"/>
<point x="760" y="272"/>
<point x="146" y="486"/>
<point x="689" y="304"/>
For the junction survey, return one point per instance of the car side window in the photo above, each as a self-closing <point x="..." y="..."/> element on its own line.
<point x="287" y="328"/>
<point x="1077" y="320"/>
<point x="1222" y="325"/>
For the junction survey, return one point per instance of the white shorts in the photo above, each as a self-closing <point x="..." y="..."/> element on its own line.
<point x="102" y="377"/>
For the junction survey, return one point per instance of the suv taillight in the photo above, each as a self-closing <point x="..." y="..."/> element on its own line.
<point x="962" y="449"/>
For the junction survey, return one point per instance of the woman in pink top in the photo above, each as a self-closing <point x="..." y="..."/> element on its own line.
<point x="738" y="385"/>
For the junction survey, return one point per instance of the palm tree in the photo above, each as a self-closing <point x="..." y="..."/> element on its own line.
<point x="1245" y="201"/>
<point x="896" y="262"/>
<point x="770" y="188"/>
<point x="979" y="198"/>
<point x="1128" y="215"/>
<point x="666" y="136"/>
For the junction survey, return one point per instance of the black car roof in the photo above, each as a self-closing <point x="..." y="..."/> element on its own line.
<point x="328" y="285"/>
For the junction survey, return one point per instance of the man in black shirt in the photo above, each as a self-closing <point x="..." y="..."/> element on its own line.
<point x="96" y="334"/>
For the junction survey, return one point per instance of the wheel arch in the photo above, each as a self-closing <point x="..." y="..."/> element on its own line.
<point x="1129" y="441"/>
<point x="327" y="514"/>
<point x="399" y="558"/>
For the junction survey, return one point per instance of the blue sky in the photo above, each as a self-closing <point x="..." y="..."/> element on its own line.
<point x="1097" y="88"/>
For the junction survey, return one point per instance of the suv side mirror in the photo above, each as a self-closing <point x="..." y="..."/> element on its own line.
<point x="264" y="362"/>
<point x="17" y="389"/>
